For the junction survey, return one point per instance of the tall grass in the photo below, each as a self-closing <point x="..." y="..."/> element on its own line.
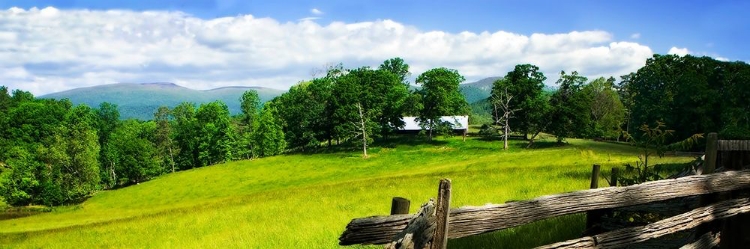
<point x="305" y="201"/>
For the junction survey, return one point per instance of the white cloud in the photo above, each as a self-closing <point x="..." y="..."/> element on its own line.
<point x="635" y="36"/>
<point x="678" y="51"/>
<point x="312" y="18"/>
<point x="316" y="11"/>
<point x="50" y="50"/>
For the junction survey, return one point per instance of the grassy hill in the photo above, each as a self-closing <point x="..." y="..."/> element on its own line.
<point x="305" y="201"/>
<point x="141" y="100"/>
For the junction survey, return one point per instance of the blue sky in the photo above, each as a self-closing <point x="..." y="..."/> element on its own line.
<point x="712" y="28"/>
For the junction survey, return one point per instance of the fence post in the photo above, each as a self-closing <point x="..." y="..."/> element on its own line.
<point x="709" y="166"/>
<point x="593" y="217"/>
<point x="614" y="177"/>
<point x="440" y="239"/>
<point x="400" y="205"/>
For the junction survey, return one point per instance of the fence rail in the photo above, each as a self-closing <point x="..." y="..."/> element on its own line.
<point x="435" y="222"/>
<point x="467" y="221"/>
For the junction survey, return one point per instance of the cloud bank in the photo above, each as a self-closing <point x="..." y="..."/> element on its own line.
<point x="48" y="50"/>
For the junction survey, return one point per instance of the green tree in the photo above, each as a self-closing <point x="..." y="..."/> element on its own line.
<point x="107" y="120"/>
<point x="19" y="179"/>
<point x="163" y="138"/>
<point x="690" y="94"/>
<point x="186" y="136"/>
<point x="440" y="97"/>
<point x="215" y="135"/>
<point x="72" y="156"/>
<point x="250" y="103"/>
<point x="268" y="135"/>
<point x="137" y="157"/>
<point x="525" y="84"/>
<point x="398" y="67"/>
<point x="607" y="111"/>
<point x="570" y="115"/>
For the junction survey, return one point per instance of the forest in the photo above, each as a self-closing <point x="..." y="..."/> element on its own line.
<point x="53" y="153"/>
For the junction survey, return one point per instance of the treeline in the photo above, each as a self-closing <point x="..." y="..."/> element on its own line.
<point x="688" y="95"/>
<point x="54" y="153"/>
<point x="362" y="104"/>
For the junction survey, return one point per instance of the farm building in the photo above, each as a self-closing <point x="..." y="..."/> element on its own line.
<point x="460" y="124"/>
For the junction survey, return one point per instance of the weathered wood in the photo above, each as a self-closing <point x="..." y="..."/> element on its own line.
<point x="440" y="240"/>
<point x="709" y="166"/>
<point x="709" y="162"/>
<point x="707" y="241"/>
<point x="623" y="237"/>
<point x="593" y="217"/>
<point x="400" y="205"/>
<point x="419" y="232"/>
<point x="374" y="230"/>
<point x="614" y="177"/>
<point x="667" y="208"/>
<point x="733" y="145"/>
<point x="466" y="221"/>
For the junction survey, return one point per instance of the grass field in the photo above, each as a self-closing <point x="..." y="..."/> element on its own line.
<point x="305" y="201"/>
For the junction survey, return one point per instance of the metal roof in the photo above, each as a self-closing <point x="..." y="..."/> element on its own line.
<point x="459" y="122"/>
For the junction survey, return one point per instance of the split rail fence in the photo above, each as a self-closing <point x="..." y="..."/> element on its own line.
<point x="722" y="207"/>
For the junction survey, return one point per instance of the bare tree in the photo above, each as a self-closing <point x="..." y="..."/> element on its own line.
<point x="362" y="126"/>
<point x="501" y="103"/>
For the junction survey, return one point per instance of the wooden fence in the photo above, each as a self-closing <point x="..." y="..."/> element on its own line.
<point x="435" y="222"/>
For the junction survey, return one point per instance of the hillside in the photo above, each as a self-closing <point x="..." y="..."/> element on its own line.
<point x="306" y="200"/>
<point x="140" y="100"/>
<point x="479" y="90"/>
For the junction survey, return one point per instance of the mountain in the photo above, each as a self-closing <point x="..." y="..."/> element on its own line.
<point x="476" y="91"/>
<point x="140" y="100"/>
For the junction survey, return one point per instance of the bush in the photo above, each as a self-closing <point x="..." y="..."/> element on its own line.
<point x="488" y="131"/>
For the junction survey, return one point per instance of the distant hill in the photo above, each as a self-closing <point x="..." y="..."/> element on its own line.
<point x="140" y="100"/>
<point x="476" y="91"/>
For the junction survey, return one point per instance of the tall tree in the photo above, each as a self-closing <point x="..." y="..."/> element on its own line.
<point x="607" y="111"/>
<point x="268" y="135"/>
<point x="503" y="111"/>
<point x="525" y="84"/>
<point x="570" y="107"/>
<point x="398" y="67"/>
<point x="440" y="97"/>
<point x="163" y="138"/>
<point x="186" y="136"/>
<point x="215" y="135"/>
<point x="107" y="120"/>
<point x="137" y="157"/>
<point x="250" y="103"/>
<point x="72" y="155"/>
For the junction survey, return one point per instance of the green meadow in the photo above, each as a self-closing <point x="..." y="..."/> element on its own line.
<point x="306" y="200"/>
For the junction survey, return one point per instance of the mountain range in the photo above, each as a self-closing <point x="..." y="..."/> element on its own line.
<point x="140" y="100"/>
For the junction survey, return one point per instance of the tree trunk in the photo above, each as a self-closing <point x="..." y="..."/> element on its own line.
<point x="171" y="157"/>
<point x="505" y="142"/>
<point x="531" y="141"/>
<point x="430" y="132"/>
<point x="363" y="130"/>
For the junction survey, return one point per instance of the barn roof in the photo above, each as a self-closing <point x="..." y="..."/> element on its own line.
<point x="459" y="123"/>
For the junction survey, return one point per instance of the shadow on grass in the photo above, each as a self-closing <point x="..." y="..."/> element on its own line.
<point x="350" y="146"/>
<point x="407" y="140"/>
<point x="542" y="145"/>
<point x="531" y="235"/>
<point x="20" y="212"/>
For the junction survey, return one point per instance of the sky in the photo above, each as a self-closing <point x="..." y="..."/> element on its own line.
<point x="55" y="45"/>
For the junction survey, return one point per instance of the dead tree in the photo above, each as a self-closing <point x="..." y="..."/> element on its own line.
<point x="501" y="102"/>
